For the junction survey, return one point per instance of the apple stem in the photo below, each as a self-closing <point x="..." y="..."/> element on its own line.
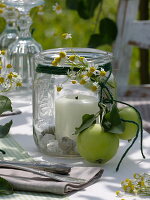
<point x="110" y="100"/>
<point x="103" y="86"/>
<point x="141" y="124"/>
<point x="111" y="96"/>
<point x="137" y="132"/>
<point x="101" y="94"/>
<point x="139" y="127"/>
<point x="110" y="72"/>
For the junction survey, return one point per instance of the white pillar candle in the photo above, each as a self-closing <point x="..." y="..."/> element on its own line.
<point x="69" y="110"/>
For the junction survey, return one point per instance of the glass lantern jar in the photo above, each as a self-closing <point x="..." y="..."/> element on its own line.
<point x="59" y="103"/>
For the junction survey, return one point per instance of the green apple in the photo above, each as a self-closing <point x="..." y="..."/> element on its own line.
<point x="96" y="145"/>
<point x="128" y="113"/>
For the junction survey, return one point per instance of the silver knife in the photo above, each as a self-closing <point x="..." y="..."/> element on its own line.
<point x="55" y="168"/>
<point x="57" y="177"/>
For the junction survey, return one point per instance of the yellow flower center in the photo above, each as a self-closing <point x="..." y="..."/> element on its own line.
<point x="72" y="58"/>
<point x="83" y="81"/>
<point x="10" y="75"/>
<point x="102" y="73"/>
<point x="82" y="75"/>
<point x="1" y="67"/>
<point x="127" y="188"/>
<point x="54" y="63"/>
<point x="81" y="59"/>
<point x="18" y="84"/>
<point x="89" y="74"/>
<point x="58" y="7"/>
<point x="141" y="183"/>
<point x="59" y="88"/>
<point x="117" y="192"/>
<point x="92" y="69"/>
<point x="9" y="66"/>
<point x="94" y="88"/>
<point x="2" y="80"/>
<point x="73" y="81"/>
<point x="64" y="35"/>
<point x="58" y="59"/>
<point x="2" y="52"/>
<point x="127" y="180"/>
<point x="62" y="54"/>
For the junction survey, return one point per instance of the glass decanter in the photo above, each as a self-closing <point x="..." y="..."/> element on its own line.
<point x="20" y="53"/>
<point x="10" y="32"/>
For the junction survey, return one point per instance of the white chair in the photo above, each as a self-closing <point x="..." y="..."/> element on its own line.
<point x="130" y="32"/>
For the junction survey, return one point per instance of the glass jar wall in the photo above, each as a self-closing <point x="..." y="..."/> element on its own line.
<point x="56" y="113"/>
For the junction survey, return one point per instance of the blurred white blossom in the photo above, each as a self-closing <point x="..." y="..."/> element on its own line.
<point x="57" y="8"/>
<point x="9" y="79"/>
<point x="66" y="36"/>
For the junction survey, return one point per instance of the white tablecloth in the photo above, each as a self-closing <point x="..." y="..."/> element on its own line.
<point x="105" y="188"/>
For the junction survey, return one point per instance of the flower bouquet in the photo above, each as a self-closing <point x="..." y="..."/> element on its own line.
<point x="9" y="80"/>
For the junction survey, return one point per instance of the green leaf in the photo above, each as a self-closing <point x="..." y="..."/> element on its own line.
<point x="5" y="104"/>
<point x="114" y="115"/>
<point x="4" y="130"/>
<point x="117" y="129"/>
<point x="5" y="187"/>
<point x="72" y="4"/>
<point x="85" y="8"/>
<point x="87" y="121"/>
<point x="108" y="31"/>
<point x="94" y="41"/>
<point x="112" y="122"/>
<point x="107" y="67"/>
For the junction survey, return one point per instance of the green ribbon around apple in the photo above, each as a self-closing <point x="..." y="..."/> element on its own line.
<point x="99" y="142"/>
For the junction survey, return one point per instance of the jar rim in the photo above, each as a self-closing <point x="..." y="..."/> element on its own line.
<point x="20" y="3"/>
<point x="96" y="56"/>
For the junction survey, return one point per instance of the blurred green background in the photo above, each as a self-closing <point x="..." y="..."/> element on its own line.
<point x="49" y="27"/>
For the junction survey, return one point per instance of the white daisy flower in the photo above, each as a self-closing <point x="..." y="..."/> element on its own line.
<point x="57" y="8"/>
<point x="66" y="36"/>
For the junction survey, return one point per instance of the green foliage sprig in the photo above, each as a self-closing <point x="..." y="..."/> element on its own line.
<point x="107" y="27"/>
<point x="85" y="8"/>
<point x="5" y="187"/>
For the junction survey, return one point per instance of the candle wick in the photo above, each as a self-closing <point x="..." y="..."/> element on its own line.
<point x="76" y="97"/>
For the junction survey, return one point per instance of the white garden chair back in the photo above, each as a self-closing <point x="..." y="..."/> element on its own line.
<point x="130" y="32"/>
